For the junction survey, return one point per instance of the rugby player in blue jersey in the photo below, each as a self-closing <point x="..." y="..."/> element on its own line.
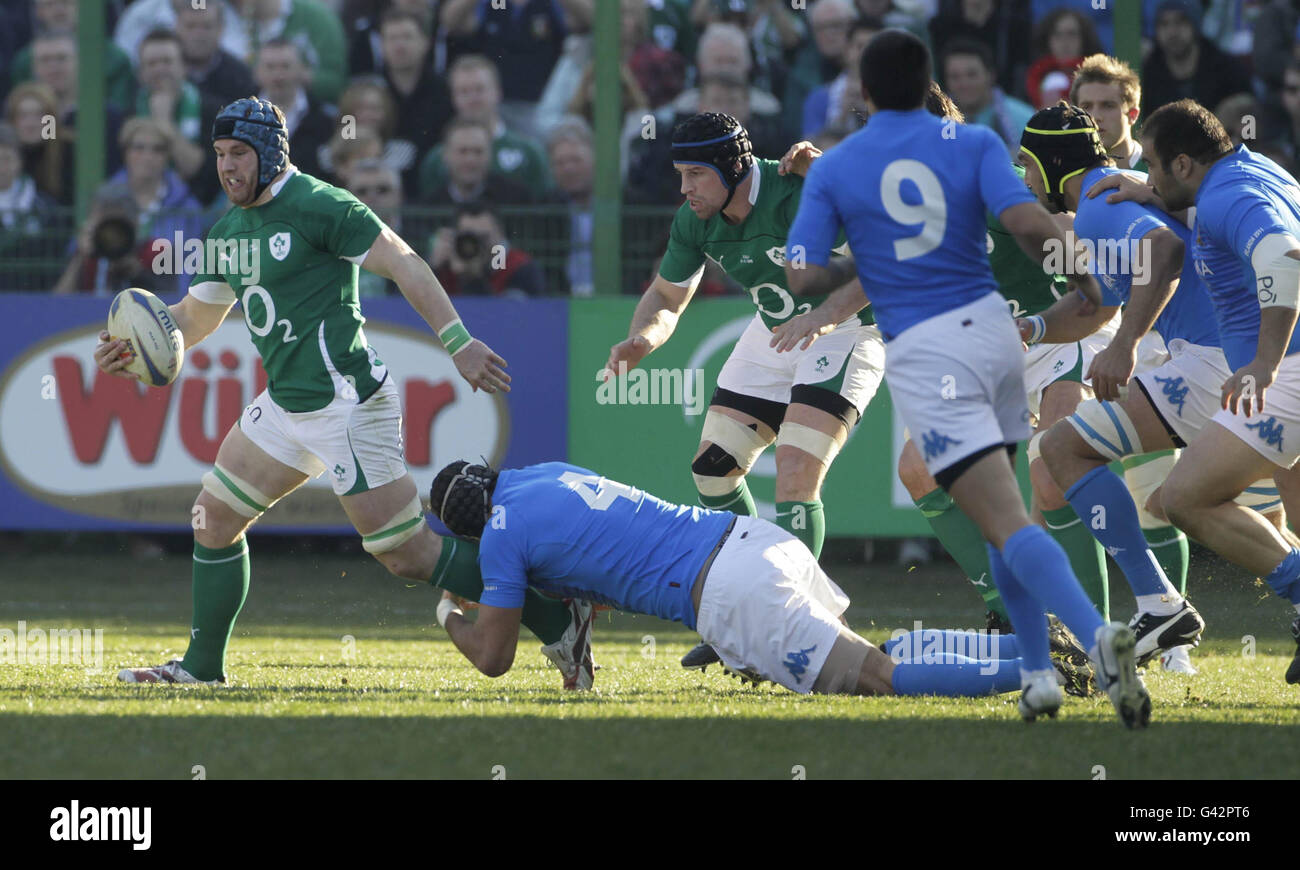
<point x="910" y="191"/>
<point x="1247" y="251"/>
<point x="752" y="590"/>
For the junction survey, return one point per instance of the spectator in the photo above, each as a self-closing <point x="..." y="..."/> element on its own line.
<point x="366" y="107"/>
<point x="969" y="77"/>
<point x="1185" y="64"/>
<point x="143" y="16"/>
<point x="1286" y="130"/>
<point x="475" y="259"/>
<point x="1230" y="24"/>
<point x="1274" y="43"/>
<point x="164" y="206"/>
<point x="729" y="95"/>
<point x="670" y="26"/>
<point x="1239" y="115"/>
<point x="524" y="37"/>
<point x="724" y="50"/>
<point x="26" y="215"/>
<point x="1002" y="25"/>
<point x="839" y="104"/>
<point x="108" y="256"/>
<point x="345" y="152"/>
<point x="282" y="77"/>
<point x="467" y="153"/>
<point x="380" y="188"/>
<point x="61" y="16"/>
<point x="910" y="15"/>
<point x="216" y="72"/>
<point x="1108" y="89"/>
<point x="54" y="64"/>
<point x="1098" y="13"/>
<point x="31" y="108"/>
<point x="309" y="25"/>
<point x="365" y="48"/>
<point x="572" y="155"/>
<point x="476" y="95"/>
<point x="166" y="96"/>
<point x="633" y="101"/>
<point x="1062" y="39"/>
<point x="819" y="61"/>
<point x="660" y="72"/>
<point x="419" y="96"/>
<point x="770" y="28"/>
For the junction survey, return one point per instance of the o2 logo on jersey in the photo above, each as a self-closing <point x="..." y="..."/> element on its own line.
<point x="777" y="256"/>
<point x="782" y="295"/>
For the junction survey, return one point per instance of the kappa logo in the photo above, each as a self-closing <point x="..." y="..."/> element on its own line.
<point x="280" y="243"/>
<point x="1114" y="551"/>
<point x="1174" y="390"/>
<point x="934" y="443"/>
<point x="777" y="255"/>
<point x="1270" y="431"/>
<point x="797" y="662"/>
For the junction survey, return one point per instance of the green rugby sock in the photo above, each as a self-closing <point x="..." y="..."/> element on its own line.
<point x="220" y="585"/>
<point x="457" y="571"/>
<point x="739" y="501"/>
<point x="1087" y="556"/>
<point x="1170" y="546"/>
<point x="805" y="520"/>
<point x="964" y="542"/>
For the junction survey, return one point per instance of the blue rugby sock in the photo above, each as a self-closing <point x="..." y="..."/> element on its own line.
<point x="1026" y="612"/>
<point x="1043" y="570"/>
<point x="1285" y="578"/>
<point x="1103" y="502"/>
<point x="980" y="646"/>
<point x="957" y="676"/>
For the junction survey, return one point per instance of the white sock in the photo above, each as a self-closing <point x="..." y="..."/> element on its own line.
<point x="1161" y="605"/>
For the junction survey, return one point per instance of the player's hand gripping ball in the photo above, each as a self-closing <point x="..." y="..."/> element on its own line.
<point x="145" y="323"/>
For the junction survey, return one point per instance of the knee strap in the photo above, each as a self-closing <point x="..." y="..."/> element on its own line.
<point x="1035" y="448"/>
<point x="735" y="445"/>
<point x="1144" y="476"/>
<point x="404" y="525"/>
<point x="819" y="445"/>
<point x="236" y="493"/>
<point x="1107" y="429"/>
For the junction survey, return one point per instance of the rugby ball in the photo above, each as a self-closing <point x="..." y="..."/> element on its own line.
<point x="146" y="324"/>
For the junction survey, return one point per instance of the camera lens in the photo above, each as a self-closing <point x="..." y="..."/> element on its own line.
<point x="468" y="245"/>
<point x="113" y="237"/>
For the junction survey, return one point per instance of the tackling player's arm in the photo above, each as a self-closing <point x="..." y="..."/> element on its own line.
<point x="1036" y="232"/>
<point x="195" y="318"/>
<point x="1113" y="367"/>
<point x="489" y="643"/>
<point x="1071" y="318"/>
<point x="390" y="257"/>
<point x="653" y="321"/>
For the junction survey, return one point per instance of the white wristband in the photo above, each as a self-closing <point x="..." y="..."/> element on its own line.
<point x="1039" y="328"/>
<point x="445" y="608"/>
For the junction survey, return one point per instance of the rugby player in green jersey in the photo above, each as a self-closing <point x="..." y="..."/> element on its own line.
<point x="331" y="405"/>
<point x="737" y="213"/>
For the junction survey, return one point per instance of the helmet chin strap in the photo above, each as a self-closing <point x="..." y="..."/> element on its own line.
<point x="731" y="190"/>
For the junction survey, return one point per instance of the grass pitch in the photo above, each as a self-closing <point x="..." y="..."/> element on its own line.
<point x="340" y="672"/>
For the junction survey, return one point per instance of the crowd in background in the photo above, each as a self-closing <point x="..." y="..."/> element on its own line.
<point x="466" y="124"/>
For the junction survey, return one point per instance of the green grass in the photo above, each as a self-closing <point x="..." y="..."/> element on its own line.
<point x="407" y="705"/>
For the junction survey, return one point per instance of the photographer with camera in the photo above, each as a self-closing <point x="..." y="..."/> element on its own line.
<point x="109" y="257"/>
<point x="473" y="258"/>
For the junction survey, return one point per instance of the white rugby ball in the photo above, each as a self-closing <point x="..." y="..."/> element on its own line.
<point x="146" y="324"/>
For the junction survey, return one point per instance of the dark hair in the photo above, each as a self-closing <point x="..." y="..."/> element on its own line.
<point x="394" y="14"/>
<point x="477" y="208"/>
<point x="281" y="42"/>
<point x="161" y="34"/>
<point x="965" y="45"/>
<point x="866" y="22"/>
<point x="895" y="70"/>
<point x="1186" y="127"/>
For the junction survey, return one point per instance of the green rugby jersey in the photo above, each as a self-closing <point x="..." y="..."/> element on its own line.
<point x="1021" y="281"/>
<point x="753" y="251"/>
<point x="292" y="264"/>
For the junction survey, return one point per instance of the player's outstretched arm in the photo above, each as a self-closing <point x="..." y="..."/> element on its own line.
<point x="1276" y="262"/>
<point x="1038" y="234"/>
<point x="390" y="257"/>
<point x="653" y="321"/>
<point x="1071" y="318"/>
<point x="811" y="325"/>
<point x="489" y="643"/>
<point x="798" y="160"/>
